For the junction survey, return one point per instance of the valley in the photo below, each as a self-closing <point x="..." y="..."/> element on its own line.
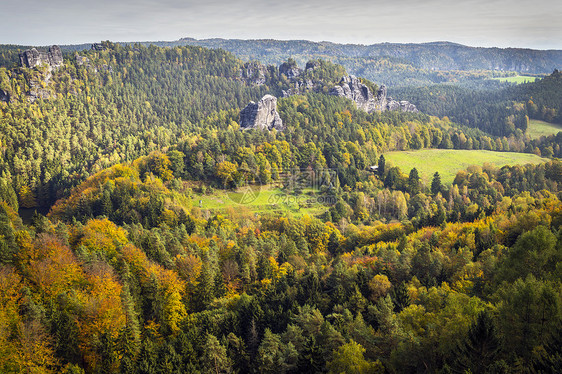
<point x="269" y="206"/>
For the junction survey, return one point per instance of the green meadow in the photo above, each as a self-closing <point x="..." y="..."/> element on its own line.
<point x="448" y="162"/>
<point x="537" y="128"/>
<point x="517" y="79"/>
<point x="262" y="199"/>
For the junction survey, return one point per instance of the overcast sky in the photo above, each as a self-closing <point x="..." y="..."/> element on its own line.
<point x="487" y="23"/>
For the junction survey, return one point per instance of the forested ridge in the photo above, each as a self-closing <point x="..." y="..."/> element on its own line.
<point x="127" y="101"/>
<point x="393" y="63"/>
<point x="496" y="111"/>
<point x="121" y="104"/>
<point x="126" y="274"/>
<point x="435" y="55"/>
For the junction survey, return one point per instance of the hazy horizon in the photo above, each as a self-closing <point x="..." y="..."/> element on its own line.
<point x="476" y="23"/>
<point x="281" y="40"/>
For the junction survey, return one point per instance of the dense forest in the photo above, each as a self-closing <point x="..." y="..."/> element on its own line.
<point x="120" y="278"/>
<point x="126" y="274"/>
<point x="430" y="56"/>
<point x="103" y="109"/>
<point x="496" y="111"/>
<point x="396" y="65"/>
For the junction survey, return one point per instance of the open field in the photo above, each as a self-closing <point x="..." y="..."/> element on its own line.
<point x="262" y="199"/>
<point x="448" y="162"/>
<point x="538" y="128"/>
<point x="517" y="79"/>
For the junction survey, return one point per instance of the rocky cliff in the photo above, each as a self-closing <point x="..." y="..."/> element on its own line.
<point x="99" y="47"/>
<point x="352" y="88"/>
<point x="290" y="69"/>
<point x="4" y="96"/>
<point x="32" y="57"/>
<point x="300" y="81"/>
<point x="299" y="87"/>
<point x="261" y="115"/>
<point x="254" y="73"/>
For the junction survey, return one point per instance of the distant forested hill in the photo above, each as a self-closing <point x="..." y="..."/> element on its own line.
<point x="498" y="112"/>
<point x="391" y="63"/>
<point x="112" y="105"/>
<point x="397" y="65"/>
<point x="431" y="56"/>
<point x="543" y="97"/>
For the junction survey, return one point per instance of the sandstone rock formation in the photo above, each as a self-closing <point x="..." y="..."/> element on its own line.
<point x="81" y="60"/>
<point x="352" y="88"/>
<point x="299" y="87"/>
<point x="261" y="115"/>
<point x="381" y="99"/>
<point x="32" y="57"/>
<point x="4" y="96"/>
<point x="388" y="103"/>
<point x="407" y="106"/>
<point x="254" y="73"/>
<point x="98" y="47"/>
<point x="290" y="70"/>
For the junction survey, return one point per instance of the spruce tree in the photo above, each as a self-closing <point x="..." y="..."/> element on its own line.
<point x="480" y="347"/>
<point x="436" y="184"/>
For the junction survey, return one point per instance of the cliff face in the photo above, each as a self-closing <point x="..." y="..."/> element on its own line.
<point x="290" y="70"/>
<point x="304" y="81"/>
<point x="261" y="115"/>
<point x="32" y="57"/>
<point x="4" y="96"/>
<point x="299" y="81"/>
<point x="352" y="88"/>
<point x="254" y="73"/>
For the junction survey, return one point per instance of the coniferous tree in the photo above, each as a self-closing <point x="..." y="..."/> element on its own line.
<point x="414" y="182"/>
<point x="400" y="297"/>
<point x="214" y="358"/>
<point x="550" y="359"/>
<point x="436" y="185"/>
<point x="381" y="167"/>
<point x="479" y="349"/>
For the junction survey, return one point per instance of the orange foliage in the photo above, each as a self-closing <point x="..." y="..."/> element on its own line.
<point x="52" y="266"/>
<point x="10" y="283"/>
<point x="189" y="268"/>
<point x="170" y="287"/>
<point x="24" y="346"/>
<point x="103" y="312"/>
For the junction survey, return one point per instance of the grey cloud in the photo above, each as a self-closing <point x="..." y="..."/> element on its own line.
<point x="473" y="22"/>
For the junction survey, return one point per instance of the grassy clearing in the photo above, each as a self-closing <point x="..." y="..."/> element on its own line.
<point x="262" y="199"/>
<point x="517" y="79"/>
<point x="448" y="162"/>
<point x="538" y="128"/>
